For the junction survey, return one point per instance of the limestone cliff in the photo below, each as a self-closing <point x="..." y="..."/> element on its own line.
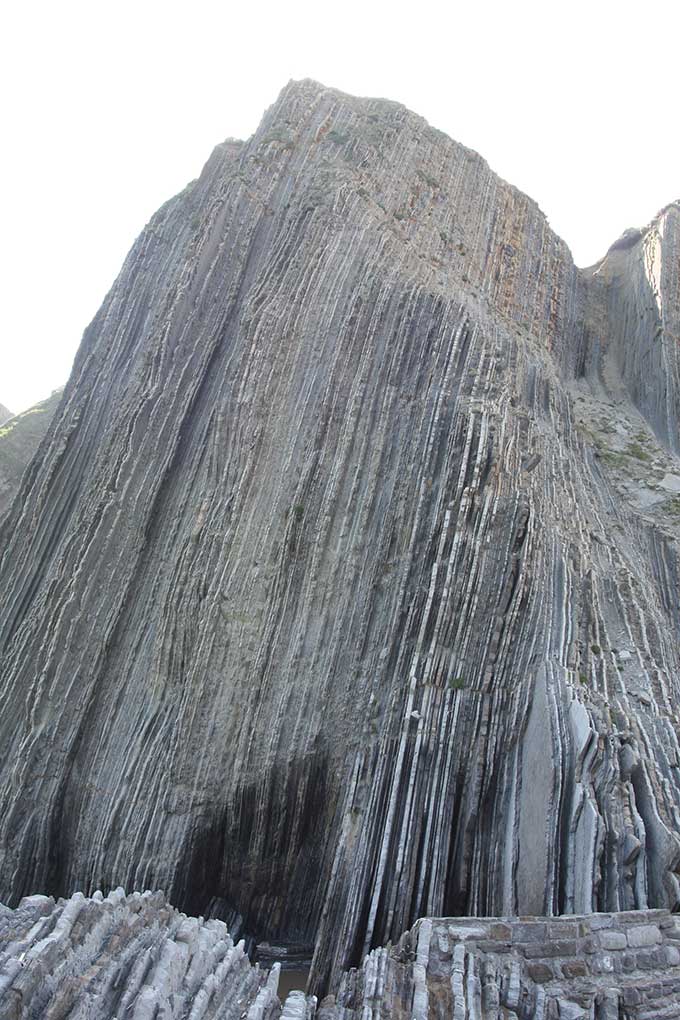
<point x="345" y="587"/>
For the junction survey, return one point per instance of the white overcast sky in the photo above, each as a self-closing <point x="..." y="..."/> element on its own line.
<point x="110" y="108"/>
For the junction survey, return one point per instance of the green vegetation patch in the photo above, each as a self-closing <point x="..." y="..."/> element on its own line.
<point x="636" y="450"/>
<point x="612" y="458"/>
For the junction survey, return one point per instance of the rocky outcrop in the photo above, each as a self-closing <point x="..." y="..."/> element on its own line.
<point x="340" y="594"/>
<point x="20" y="437"/>
<point x="137" y="957"/>
<point x="127" y="956"/>
<point x="4" y="414"/>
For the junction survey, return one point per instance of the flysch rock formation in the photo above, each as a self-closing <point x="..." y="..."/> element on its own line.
<point x="126" y="957"/>
<point x="136" y="957"/>
<point x="344" y="590"/>
<point x="20" y="438"/>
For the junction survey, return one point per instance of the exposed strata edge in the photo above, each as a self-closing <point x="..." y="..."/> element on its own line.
<point x="135" y="958"/>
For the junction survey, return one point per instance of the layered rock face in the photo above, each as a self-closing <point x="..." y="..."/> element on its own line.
<point x="20" y="438"/>
<point x="344" y="589"/>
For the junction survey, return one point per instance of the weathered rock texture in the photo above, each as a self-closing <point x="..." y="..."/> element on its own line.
<point x="136" y="957"/>
<point x="20" y="438"/>
<point x="131" y="957"/>
<point x="593" y="967"/>
<point x="345" y="587"/>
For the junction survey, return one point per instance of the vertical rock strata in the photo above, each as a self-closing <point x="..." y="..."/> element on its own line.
<point x="321" y="604"/>
<point x="20" y="437"/>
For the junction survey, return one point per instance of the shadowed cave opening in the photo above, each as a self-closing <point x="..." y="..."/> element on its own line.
<point x="258" y="865"/>
<point x="262" y="865"/>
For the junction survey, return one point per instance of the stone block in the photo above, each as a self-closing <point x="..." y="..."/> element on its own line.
<point x="672" y="956"/>
<point x="501" y="932"/>
<point x="471" y="931"/>
<point x="530" y="931"/>
<point x="633" y="917"/>
<point x="613" y="939"/>
<point x="564" y="930"/>
<point x="643" y="935"/>
<point x="540" y="972"/>
<point x="631" y="996"/>
<point x="651" y="959"/>
<point x="542" y="950"/>
<point x="599" y="921"/>
<point x="574" y="969"/>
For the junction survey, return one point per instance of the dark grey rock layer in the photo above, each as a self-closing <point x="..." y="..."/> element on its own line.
<point x="326" y="601"/>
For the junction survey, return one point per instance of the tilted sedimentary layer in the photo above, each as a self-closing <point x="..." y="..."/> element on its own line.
<point x="131" y="957"/>
<point x="20" y="437"/>
<point x="344" y="587"/>
<point x="136" y="957"/>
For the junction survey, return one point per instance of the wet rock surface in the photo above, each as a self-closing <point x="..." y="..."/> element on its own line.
<point x="325" y="601"/>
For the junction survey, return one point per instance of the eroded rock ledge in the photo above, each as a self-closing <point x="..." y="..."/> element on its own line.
<point x="136" y="958"/>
